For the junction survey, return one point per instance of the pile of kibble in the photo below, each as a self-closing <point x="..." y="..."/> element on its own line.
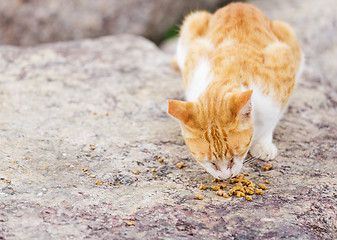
<point x="239" y="186"/>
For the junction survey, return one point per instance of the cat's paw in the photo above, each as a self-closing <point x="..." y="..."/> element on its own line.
<point x="264" y="151"/>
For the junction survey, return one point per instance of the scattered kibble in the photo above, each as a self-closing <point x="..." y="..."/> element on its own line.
<point x="215" y="188"/>
<point x="250" y="191"/>
<point x="240" y="194"/>
<point x="197" y="196"/>
<point x="84" y="169"/>
<point x="215" y="180"/>
<point x="220" y="193"/>
<point x="153" y="170"/>
<point x="225" y="195"/>
<point x="267" y="181"/>
<point x="249" y="198"/>
<point x="259" y="191"/>
<point x="239" y="186"/>
<point x="99" y="182"/>
<point x="130" y="223"/>
<point x="136" y="172"/>
<point x="267" y="167"/>
<point x="91" y="175"/>
<point x="92" y="147"/>
<point x="181" y="165"/>
<point x="160" y="160"/>
<point x="5" y="180"/>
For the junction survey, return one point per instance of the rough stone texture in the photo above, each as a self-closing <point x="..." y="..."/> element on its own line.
<point x="30" y="22"/>
<point x="56" y="100"/>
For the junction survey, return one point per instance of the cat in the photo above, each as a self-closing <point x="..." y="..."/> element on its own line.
<point x="239" y="70"/>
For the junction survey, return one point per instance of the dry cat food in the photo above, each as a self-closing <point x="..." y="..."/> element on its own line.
<point x="91" y="175"/>
<point x="99" y="182"/>
<point x="249" y="198"/>
<point x="160" y="159"/>
<point x="5" y="180"/>
<point x="263" y="187"/>
<point x="197" y="196"/>
<point x="259" y="191"/>
<point x="181" y="165"/>
<point x="239" y="186"/>
<point x="130" y="223"/>
<point x="267" y="167"/>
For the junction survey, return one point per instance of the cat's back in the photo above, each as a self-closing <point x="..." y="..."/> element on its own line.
<point x="238" y="45"/>
<point x="241" y="22"/>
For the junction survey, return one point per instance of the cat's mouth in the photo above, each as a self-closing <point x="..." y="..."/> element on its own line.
<point x="224" y="171"/>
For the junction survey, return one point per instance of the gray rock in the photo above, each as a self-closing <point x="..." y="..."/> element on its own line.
<point x="169" y="46"/>
<point x="77" y="120"/>
<point x="32" y="22"/>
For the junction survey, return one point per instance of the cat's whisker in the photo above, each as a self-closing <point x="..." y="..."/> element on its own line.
<point x="252" y="159"/>
<point x="249" y="159"/>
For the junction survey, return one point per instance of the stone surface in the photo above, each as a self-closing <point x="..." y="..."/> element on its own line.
<point x="77" y="120"/>
<point x="30" y="22"/>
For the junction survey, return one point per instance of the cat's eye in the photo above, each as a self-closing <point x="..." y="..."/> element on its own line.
<point x="230" y="163"/>
<point x="216" y="166"/>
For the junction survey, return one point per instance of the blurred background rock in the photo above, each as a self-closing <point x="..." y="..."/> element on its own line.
<point x="31" y="22"/>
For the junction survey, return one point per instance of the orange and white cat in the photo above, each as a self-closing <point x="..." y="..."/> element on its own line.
<point x="239" y="70"/>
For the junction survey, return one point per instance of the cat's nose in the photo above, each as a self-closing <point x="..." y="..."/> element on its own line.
<point x="231" y="175"/>
<point x="225" y="175"/>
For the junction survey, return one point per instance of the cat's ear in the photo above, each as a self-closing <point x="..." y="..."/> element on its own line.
<point x="242" y="106"/>
<point x="181" y="110"/>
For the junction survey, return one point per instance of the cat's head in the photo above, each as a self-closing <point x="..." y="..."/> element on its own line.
<point x="217" y="132"/>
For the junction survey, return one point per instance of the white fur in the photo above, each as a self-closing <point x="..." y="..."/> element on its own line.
<point x="224" y="172"/>
<point x="301" y="68"/>
<point x="200" y="79"/>
<point x="181" y="53"/>
<point x="266" y="114"/>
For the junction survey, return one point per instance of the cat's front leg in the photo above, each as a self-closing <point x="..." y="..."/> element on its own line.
<point x="263" y="147"/>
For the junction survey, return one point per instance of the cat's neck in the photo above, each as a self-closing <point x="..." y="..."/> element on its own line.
<point x="218" y="89"/>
